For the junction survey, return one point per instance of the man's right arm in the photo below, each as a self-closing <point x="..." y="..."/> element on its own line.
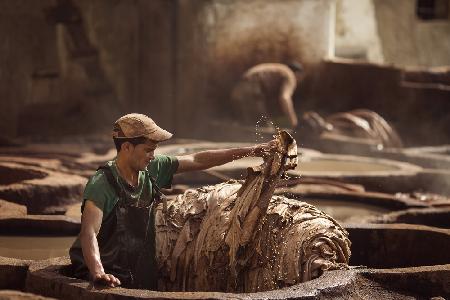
<point x="91" y="221"/>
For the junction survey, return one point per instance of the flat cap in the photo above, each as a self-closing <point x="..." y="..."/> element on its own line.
<point x="139" y="125"/>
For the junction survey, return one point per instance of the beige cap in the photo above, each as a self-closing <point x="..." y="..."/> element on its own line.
<point x="139" y="125"/>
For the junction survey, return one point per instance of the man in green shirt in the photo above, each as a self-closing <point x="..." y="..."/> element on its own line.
<point x="116" y="244"/>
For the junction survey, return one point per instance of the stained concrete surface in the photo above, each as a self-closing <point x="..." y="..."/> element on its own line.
<point x="38" y="188"/>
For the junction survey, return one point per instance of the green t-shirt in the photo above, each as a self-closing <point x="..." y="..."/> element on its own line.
<point x="102" y="194"/>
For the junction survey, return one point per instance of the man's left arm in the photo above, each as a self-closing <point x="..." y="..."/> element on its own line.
<point x="211" y="158"/>
<point x="287" y="106"/>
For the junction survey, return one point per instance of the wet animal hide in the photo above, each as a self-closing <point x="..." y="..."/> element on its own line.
<point x="238" y="237"/>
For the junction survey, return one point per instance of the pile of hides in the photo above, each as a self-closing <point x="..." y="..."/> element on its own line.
<point x="359" y="123"/>
<point x="238" y="237"/>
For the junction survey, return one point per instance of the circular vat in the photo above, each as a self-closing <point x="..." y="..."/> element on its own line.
<point x="39" y="189"/>
<point x="383" y="246"/>
<point x="379" y="175"/>
<point x="347" y="203"/>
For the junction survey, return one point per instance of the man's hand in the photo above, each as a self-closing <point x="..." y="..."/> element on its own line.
<point x="106" y="279"/>
<point x="265" y="149"/>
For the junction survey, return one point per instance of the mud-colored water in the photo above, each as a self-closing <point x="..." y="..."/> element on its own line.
<point x="35" y="247"/>
<point x="347" y="212"/>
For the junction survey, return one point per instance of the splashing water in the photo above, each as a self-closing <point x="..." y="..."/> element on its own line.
<point x="263" y="122"/>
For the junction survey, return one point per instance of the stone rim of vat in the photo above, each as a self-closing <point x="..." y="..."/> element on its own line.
<point x="431" y="216"/>
<point x="45" y="278"/>
<point x="384" y="200"/>
<point x="426" y="157"/>
<point x="439" y="151"/>
<point x="34" y="225"/>
<point x="173" y="148"/>
<point x="46" y="274"/>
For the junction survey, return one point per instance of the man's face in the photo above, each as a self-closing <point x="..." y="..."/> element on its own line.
<point x="142" y="154"/>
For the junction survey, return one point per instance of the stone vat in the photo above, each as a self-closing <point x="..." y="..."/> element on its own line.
<point x="13" y="273"/>
<point x="374" y="174"/>
<point x="382" y="246"/>
<point x="37" y="188"/>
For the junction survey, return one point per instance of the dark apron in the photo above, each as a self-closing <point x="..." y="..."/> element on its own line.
<point x="126" y="241"/>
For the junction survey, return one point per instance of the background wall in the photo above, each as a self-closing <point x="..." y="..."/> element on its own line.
<point x="175" y="60"/>
<point x="390" y="32"/>
<point x="23" y="52"/>
<point x="71" y="67"/>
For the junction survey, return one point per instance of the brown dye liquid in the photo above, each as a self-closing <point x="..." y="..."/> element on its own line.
<point x="35" y="247"/>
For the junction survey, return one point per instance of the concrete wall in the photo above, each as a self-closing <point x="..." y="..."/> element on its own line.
<point x="132" y="68"/>
<point x="136" y="45"/>
<point x="409" y="41"/>
<point x="356" y="31"/>
<point x="419" y="112"/>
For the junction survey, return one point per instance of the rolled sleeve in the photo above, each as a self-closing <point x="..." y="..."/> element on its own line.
<point x="162" y="169"/>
